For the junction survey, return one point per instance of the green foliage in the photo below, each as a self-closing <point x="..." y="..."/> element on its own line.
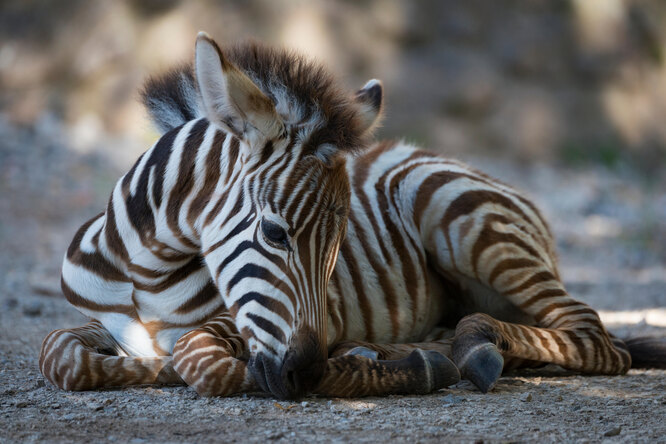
<point x="607" y="153"/>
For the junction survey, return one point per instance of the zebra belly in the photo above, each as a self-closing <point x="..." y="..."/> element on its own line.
<point x="464" y="296"/>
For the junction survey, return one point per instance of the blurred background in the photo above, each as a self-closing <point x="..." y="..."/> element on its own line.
<point x="564" y="99"/>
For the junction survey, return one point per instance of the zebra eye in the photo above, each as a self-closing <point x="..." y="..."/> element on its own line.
<point x="274" y="234"/>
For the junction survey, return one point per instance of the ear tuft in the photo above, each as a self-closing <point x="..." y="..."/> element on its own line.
<point x="370" y="99"/>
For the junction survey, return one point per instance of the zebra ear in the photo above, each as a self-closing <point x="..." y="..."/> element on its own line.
<point x="230" y="98"/>
<point x="370" y="99"/>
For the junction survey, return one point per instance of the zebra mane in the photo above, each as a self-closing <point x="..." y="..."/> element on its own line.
<point x="302" y="91"/>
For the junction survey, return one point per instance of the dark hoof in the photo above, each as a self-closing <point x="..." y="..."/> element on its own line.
<point x="444" y="371"/>
<point x="483" y="366"/>
<point x="363" y="351"/>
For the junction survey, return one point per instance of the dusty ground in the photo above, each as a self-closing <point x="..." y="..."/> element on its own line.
<point x="612" y="237"/>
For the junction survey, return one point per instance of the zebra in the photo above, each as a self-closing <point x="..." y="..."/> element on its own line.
<point x="266" y="243"/>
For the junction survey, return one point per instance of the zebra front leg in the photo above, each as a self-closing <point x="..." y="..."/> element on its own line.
<point x="356" y="370"/>
<point x="86" y="358"/>
<point x="207" y="359"/>
<point x="440" y="340"/>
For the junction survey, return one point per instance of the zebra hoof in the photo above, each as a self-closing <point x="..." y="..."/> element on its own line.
<point x="483" y="367"/>
<point x="363" y="351"/>
<point x="444" y="371"/>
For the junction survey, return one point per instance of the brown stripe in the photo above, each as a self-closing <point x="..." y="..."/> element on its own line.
<point x="427" y="190"/>
<point x="383" y="278"/>
<point x="510" y="264"/>
<point x="411" y="277"/>
<point x="113" y="239"/>
<point x="543" y="294"/>
<point x="488" y="237"/>
<point x="146" y="272"/>
<point x="234" y="151"/>
<point x="202" y="297"/>
<point x="468" y="202"/>
<point x="357" y="282"/>
<point x="76" y="242"/>
<point x="211" y="178"/>
<point x="79" y="301"/>
<point x="537" y="278"/>
<point x="585" y="310"/>
<point x="337" y="311"/>
<point x="545" y="345"/>
<point x="174" y="277"/>
<point x="185" y="180"/>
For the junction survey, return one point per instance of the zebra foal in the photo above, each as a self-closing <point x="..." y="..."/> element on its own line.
<point x="264" y="243"/>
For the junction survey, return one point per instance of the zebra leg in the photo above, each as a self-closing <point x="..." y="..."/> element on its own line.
<point x="492" y="240"/>
<point x="440" y="340"/>
<point x="482" y="342"/>
<point x="358" y="373"/>
<point x="207" y="359"/>
<point x="567" y="333"/>
<point x="365" y="369"/>
<point x="86" y="358"/>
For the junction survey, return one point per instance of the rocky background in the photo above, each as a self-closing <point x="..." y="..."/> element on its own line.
<point x="563" y="99"/>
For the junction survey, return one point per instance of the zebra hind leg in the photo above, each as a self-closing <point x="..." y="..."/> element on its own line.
<point x="86" y="358"/>
<point x="482" y="342"/>
<point x="355" y="369"/>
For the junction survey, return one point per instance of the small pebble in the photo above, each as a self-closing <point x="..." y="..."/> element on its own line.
<point x="304" y="404"/>
<point x="96" y="406"/>
<point x="32" y="309"/>
<point x="526" y="397"/>
<point x="276" y="435"/>
<point x="613" y="432"/>
<point x="69" y="417"/>
<point x="451" y="400"/>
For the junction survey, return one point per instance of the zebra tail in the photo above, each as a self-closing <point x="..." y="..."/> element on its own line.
<point x="647" y="352"/>
<point x="172" y="99"/>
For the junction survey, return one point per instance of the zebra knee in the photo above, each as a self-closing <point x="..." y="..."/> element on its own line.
<point x="206" y="363"/>
<point x="59" y="363"/>
<point x="189" y="351"/>
<point x="476" y="350"/>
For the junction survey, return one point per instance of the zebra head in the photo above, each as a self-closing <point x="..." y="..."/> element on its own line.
<point x="273" y="229"/>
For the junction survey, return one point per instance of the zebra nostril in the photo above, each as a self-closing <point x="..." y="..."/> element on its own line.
<point x="291" y="380"/>
<point x="301" y="374"/>
<point x="276" y="377"/>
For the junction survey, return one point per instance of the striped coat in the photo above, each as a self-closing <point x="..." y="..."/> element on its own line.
<point x="258" y="246"/>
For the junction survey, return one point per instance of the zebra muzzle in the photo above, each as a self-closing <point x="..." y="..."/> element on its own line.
<point x="289" y="378"/>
